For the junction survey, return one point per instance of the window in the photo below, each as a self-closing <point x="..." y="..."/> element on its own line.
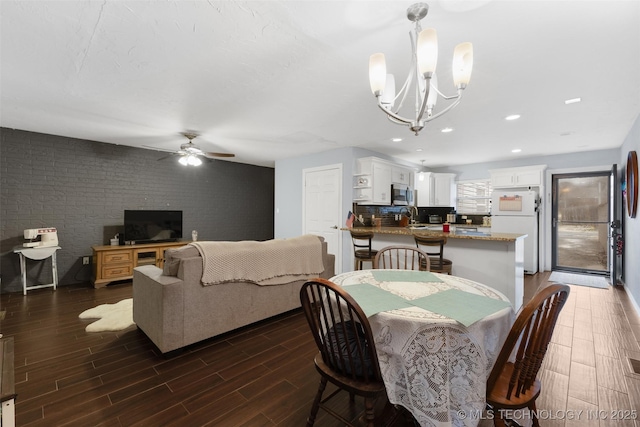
<point x="474" y="197"/>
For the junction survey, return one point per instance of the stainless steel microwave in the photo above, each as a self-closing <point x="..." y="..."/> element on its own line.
<point x="401" y="195"/>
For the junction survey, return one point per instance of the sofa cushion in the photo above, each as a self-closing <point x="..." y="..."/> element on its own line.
<point x="172" y="258"/>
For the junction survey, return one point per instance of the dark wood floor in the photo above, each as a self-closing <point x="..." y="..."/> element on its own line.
<point x="263" y="375"/>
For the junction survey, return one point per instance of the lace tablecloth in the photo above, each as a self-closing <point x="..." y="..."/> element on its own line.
<point x="432" y="365"/>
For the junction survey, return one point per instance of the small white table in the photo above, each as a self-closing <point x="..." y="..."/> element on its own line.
<point x="38" y="254"/>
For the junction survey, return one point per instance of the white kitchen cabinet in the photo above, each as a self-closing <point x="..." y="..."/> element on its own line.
<point x="400" y="175"/>
<point x="444" y="189"/>
<point x="530" y="176"/>
<point x="372" y="182"/>
<point x="424" y="189"/>
<point x="435" y="189"/>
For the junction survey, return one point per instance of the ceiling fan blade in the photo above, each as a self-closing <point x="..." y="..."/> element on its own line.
<point x="167" y="156"/>
<point x="219" y="155"/>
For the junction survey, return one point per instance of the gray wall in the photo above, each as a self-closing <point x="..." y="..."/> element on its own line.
<point x="83" y="187"/>
<point x="631" y="226"/>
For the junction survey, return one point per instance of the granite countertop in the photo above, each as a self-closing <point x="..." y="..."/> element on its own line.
<point x="460" y="233"/>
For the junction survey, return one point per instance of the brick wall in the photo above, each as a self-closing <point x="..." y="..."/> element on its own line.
<point x="83" y="187"/>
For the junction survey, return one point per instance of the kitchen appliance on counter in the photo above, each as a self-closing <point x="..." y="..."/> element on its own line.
<point x="517" y="212"/>
<point x="401" y="195"/>
<point x="40" y="237"/>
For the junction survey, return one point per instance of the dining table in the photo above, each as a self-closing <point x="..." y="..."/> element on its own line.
<point x="436" y="336"/>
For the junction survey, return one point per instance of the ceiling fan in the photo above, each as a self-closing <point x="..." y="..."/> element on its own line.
<point x="190" y="153"/>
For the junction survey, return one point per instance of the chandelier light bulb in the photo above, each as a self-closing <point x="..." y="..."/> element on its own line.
<point x="427" y="51"/>
<point x="377" y="73"/>
<point x="462" y="64"/>
<point x="388" y="97"/>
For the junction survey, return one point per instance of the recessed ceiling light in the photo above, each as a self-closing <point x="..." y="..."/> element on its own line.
<point x="512" y="117"/>
<point x="397" y="139"/>
<point x="572" y="100"/>
<point x="516" y="150"/>
<point x="447" y="130"/>
<point x="419" y="149"/>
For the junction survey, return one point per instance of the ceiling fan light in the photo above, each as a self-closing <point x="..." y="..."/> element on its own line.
<point x="427" y="51"/>
<point x="183" y="161"/>
<point x="462" y="64"/>
<point x="377" y="73"/>
<point x="193" y="160"/>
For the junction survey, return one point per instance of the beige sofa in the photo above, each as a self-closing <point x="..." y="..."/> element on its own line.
<point x="174" y="309"/>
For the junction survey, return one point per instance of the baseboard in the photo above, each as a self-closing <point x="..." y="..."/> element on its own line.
<point x="633" y="301"/>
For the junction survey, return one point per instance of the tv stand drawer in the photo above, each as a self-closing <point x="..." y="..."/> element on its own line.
<point x="116" y="257"/>
<point x="114" y="273"/>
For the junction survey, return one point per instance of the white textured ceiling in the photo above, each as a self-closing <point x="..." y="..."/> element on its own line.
<point x="269" y="80"/>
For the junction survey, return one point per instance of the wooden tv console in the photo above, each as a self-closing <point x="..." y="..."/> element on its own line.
<point x="112" y="263"/>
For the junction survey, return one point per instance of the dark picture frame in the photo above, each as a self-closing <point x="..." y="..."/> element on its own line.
<point x="632" y="184"/>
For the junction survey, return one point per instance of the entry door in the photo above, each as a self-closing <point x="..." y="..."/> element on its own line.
<point x="322" y="207"/>
<point x="581" y="238"/>
<point x="615" y="228"/>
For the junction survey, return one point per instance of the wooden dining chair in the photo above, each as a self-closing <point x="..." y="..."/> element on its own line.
<point x="513" y="384"/>
<point x="402" y="258"/>
<point x="347" y="356"/>
<point x="434" y="248"/>
<point x="362" y="250"/>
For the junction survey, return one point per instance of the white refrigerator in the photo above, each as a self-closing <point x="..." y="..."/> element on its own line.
<point x="517" y="212"/>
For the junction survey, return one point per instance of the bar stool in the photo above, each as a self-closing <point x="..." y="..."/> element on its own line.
<point x="439" y="264"/>
<point x="362" y="248"/>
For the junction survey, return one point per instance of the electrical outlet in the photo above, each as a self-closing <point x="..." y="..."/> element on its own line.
<point x="85" y="260"/>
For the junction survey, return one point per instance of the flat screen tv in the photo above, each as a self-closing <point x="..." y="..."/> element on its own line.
<point x="148" y="226"/>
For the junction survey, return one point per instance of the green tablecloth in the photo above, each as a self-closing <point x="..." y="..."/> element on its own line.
<point x="374" y="300"/>
<point x="465" y="307"/>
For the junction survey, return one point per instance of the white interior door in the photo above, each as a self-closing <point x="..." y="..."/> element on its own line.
<point x="322" y="207"/>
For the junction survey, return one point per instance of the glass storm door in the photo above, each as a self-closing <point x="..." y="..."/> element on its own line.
<point x="581" y="231"/>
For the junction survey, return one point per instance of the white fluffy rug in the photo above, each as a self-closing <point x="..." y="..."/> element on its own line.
<point x="112" y="317"/>
<point x="579" y="279"/>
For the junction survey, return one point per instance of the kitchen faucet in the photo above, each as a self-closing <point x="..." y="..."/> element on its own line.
<point x="412" y="211"/>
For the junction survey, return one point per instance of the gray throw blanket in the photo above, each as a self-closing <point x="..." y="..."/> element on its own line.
<point x="272" y="262"/>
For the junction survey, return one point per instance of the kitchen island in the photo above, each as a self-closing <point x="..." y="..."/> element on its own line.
<point x="493" y="259"/>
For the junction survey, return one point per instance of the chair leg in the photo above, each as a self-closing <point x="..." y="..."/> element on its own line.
<point x="316" y="402"/>
<point x="369" y="412"/>
<point x="532" y="408"/>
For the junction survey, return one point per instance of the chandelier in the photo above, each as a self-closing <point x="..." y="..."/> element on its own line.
<point x="424" y="47"/>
